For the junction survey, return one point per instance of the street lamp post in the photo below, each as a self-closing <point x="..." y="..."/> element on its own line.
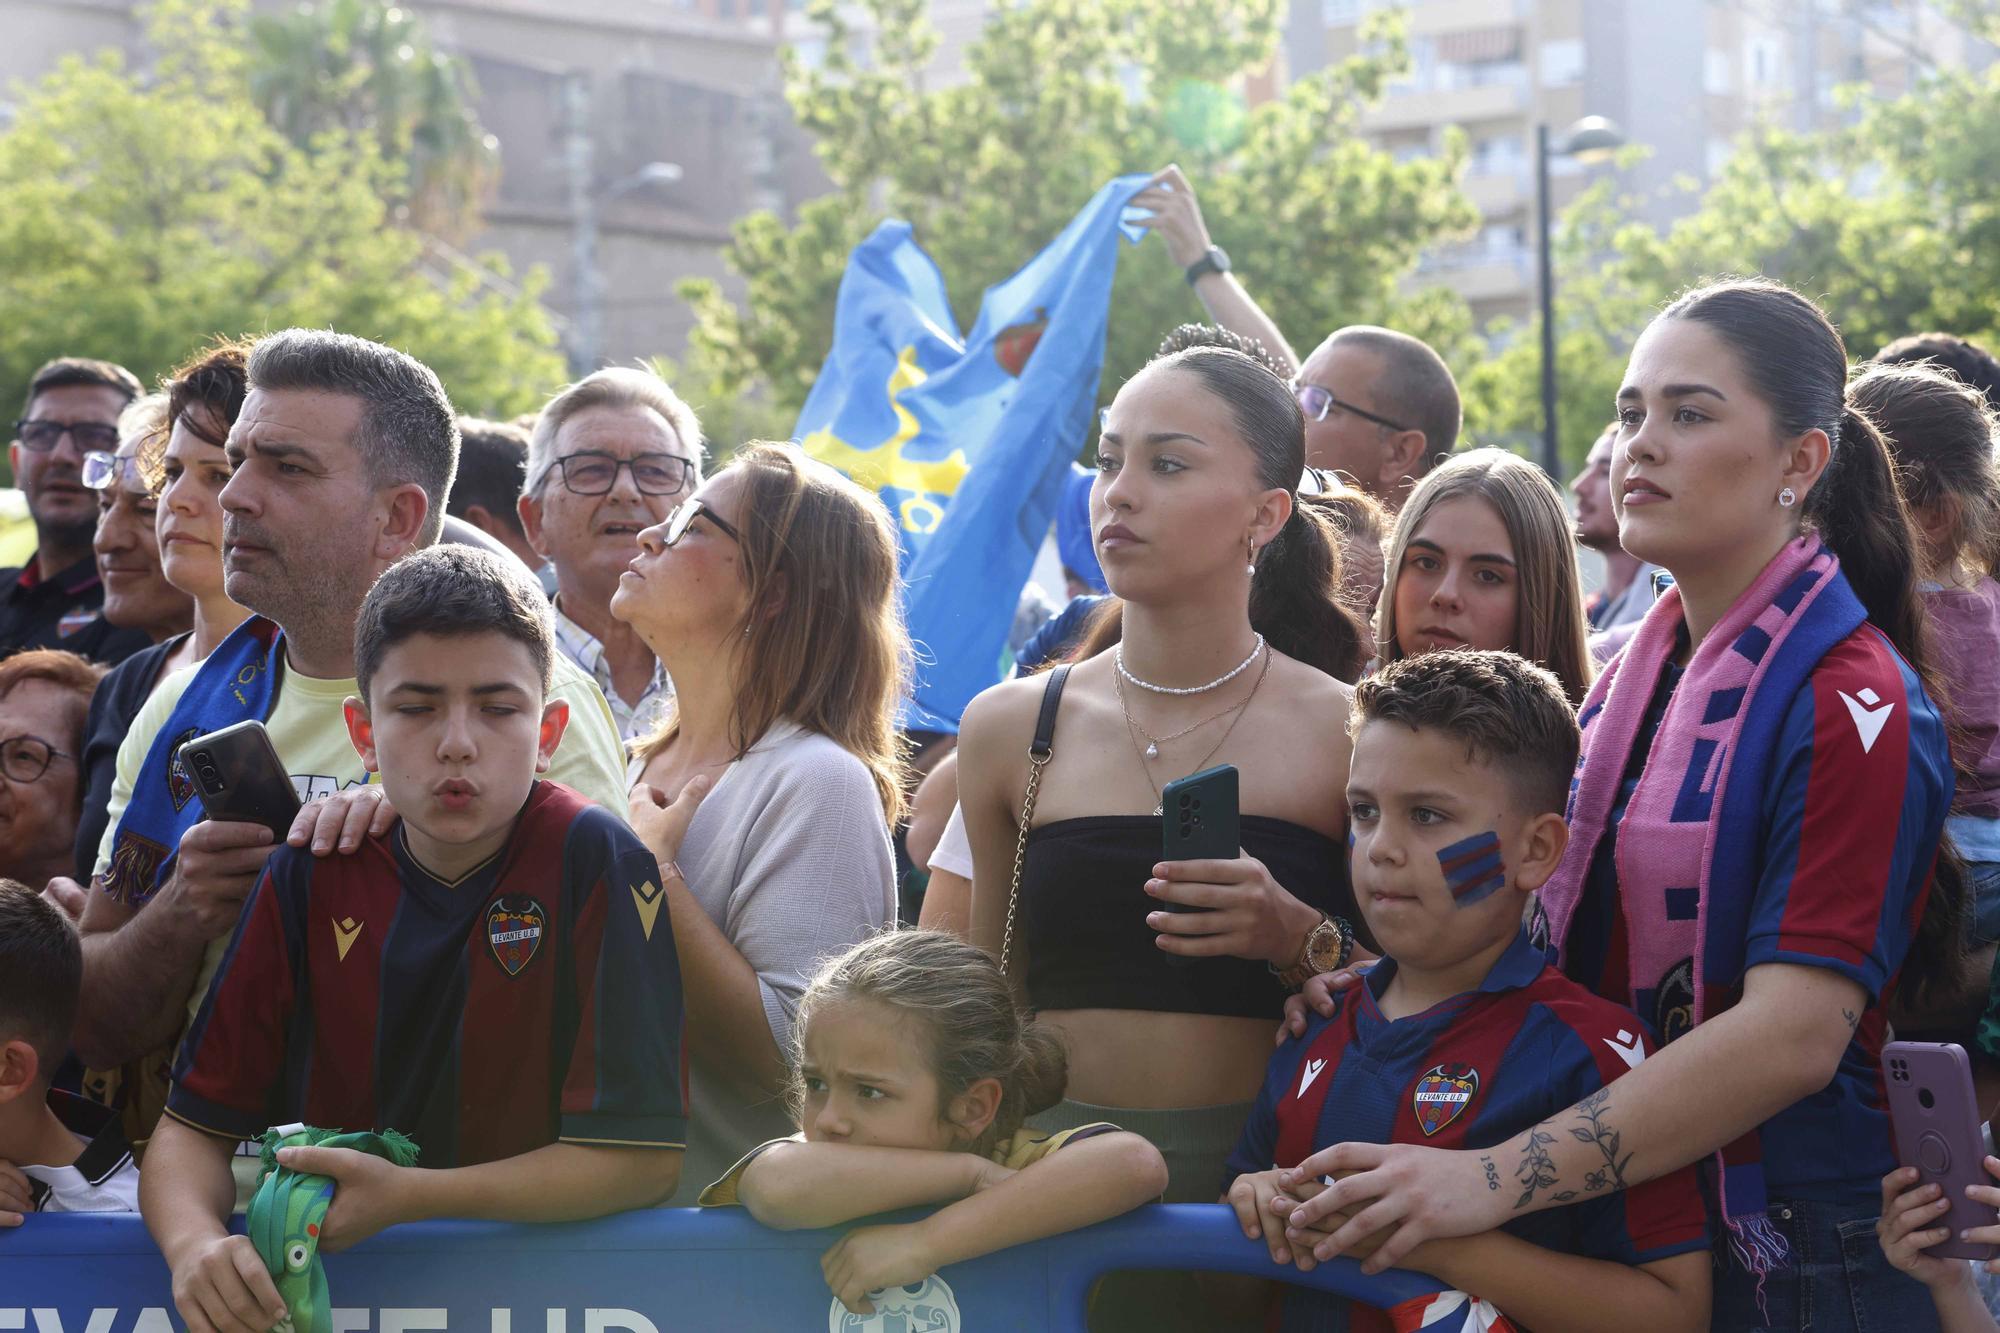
<point x="1592" y="138"/>
<point x="586" y="342"/>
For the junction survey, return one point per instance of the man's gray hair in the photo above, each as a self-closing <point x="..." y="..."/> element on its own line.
<point x="408" y="432"/>
<point x="614" y="386"/>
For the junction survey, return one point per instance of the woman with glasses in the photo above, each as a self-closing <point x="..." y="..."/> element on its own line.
<point x="44" y="695"/>
<point x="180" y="478"/>
<point x="771" y="598"/>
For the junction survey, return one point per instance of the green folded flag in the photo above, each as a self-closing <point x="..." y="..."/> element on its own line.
<point x="289" y="1207"/>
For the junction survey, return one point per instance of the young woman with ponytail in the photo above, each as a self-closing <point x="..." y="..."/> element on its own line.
<point x="1163" y="978"/>
<point x="1754" y="828"/>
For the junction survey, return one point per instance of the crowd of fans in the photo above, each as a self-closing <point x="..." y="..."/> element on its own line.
<point x="1579" y="922"/>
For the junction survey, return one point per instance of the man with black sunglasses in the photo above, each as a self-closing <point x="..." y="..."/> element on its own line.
<point x="1381" y="406"/>
<point x="54" y="600"/>
<point x="610" y="456"/>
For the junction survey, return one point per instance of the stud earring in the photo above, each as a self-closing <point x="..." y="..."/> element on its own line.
<point x="1787" y="498"/>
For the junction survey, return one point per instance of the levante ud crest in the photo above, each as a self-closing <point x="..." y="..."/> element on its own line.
<point x="514" y="925"/>
<point x="1442" y="1095"/>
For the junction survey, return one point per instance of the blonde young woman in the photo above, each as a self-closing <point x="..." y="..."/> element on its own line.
<point x="770" y="597"/>
<point x="1484" y="556"/>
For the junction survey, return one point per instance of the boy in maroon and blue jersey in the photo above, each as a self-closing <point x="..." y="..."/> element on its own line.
<point x="1463" y="1036"/>
<point x="495" y="976"/>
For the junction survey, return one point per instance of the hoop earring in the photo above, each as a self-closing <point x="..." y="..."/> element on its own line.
<point x="1787" y="498"/>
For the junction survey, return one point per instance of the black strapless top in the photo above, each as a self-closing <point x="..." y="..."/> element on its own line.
<point x="1084" y="906"/>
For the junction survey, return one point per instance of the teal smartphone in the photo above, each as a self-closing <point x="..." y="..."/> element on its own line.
<point x="1199" y="820"/>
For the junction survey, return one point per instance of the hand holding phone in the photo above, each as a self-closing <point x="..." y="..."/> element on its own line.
<point x="1199" y="821"/>
<point x="1938" y="1130"/>
<point x="239" y="778"/>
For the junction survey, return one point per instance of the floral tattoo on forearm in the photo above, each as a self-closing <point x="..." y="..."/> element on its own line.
<point x="1537" y="1173"/>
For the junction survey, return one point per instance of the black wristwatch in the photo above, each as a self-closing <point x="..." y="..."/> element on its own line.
<point x="1214" y="260"/>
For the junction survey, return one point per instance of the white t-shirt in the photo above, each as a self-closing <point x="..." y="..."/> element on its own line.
<point x="103" y="1179"/>
<point x="953" y="852"/>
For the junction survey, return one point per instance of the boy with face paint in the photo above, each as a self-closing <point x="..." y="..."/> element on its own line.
<point x="1463" y="1035"/>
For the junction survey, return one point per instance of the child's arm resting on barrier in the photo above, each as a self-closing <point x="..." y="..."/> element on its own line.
<point x="1544" y="1289"/>
<point x="185" y="1193"/>
<point x="795" y="1186"/>
<point x="1552" y="1292"/>
<point x="563" y="1182"/>
<point x="1086" y="1181"/>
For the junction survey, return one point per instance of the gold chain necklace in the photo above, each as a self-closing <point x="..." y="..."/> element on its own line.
<point x="1134" y="731"/>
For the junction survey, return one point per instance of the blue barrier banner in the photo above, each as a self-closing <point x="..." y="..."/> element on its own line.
<point x="645" y="1272"/>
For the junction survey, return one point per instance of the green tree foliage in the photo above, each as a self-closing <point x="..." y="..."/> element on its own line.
<point x="1891" y="222"/>
<point x="147" y="213"/>
<point x="368" y="67"/>
<point x="1057" y="98"/>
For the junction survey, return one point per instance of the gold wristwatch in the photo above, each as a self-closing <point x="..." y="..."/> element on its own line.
<point x="1327" y="948"/>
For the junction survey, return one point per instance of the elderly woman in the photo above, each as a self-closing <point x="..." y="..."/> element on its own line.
<point x="44" y="694"/>
<point x="770" y="597"/>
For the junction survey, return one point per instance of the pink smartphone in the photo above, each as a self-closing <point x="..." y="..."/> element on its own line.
<point x="1938" y="1126"/>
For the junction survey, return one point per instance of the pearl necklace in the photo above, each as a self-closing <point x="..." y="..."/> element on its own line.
<point x="1216" y="684"/>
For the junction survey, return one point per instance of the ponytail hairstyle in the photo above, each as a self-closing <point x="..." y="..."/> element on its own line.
<point x="1549" y="625"/>
<point x="962" y="1011"/>
<point x="1940" y="432"/>
<point x="1795" y="360"/>
<point x="1295" y="594"/>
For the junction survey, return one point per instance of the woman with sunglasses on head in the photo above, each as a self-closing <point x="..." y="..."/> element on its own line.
<point x="168" y="485"/>
<point x="1163" y="977"/>
<point x="768" y="792"/>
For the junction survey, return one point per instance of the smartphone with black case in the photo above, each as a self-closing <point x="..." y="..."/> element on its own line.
<point x="1935" y="1115"/>
<point x="239" y="778"/>
<point x="1198" y="820"/>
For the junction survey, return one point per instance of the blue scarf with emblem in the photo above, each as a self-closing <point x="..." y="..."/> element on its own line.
<point x="236" y="683"/>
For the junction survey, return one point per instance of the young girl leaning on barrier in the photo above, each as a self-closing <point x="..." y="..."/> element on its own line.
<point x="914" y="1072"/>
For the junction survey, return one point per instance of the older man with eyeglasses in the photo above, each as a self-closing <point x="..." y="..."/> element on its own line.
<point x="611" y="455"/>
<point x="1381" y="406"/>
<point x="44" y="697"/>
<point x="54" y="600"/>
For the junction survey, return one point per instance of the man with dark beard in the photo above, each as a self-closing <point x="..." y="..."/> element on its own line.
<point x="53" y="601"/>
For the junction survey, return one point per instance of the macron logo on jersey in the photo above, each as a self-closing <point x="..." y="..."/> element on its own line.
<point x="1312" y="1072"/>
<point x="1870" y="715"/>
<point x="1627" y="1047"/>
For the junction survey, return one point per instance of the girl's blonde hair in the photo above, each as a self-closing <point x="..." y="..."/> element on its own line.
<point x="971" y="1028"/>
<point x="1549" y="627"/>
<point x="833" y="657"/>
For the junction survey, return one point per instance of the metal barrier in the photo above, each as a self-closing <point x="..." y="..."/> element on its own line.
<point x="644" y="1272"/>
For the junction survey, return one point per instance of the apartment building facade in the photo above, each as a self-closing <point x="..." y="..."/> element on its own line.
<point x="1683" y="78"/>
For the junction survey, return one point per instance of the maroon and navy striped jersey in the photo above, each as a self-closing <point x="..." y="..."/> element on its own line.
<point x="1471" y="1072"/>
<point x="535" y="999"/>
<point x="1848" y="838"/>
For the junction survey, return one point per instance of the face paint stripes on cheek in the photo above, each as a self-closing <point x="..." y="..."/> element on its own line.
<point x="1473" y="870"/>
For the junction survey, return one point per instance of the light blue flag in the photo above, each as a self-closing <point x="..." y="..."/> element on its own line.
<point x="967" y="440"/>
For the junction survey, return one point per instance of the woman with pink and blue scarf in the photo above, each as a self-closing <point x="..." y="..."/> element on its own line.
<point x="1755" y="832"/>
